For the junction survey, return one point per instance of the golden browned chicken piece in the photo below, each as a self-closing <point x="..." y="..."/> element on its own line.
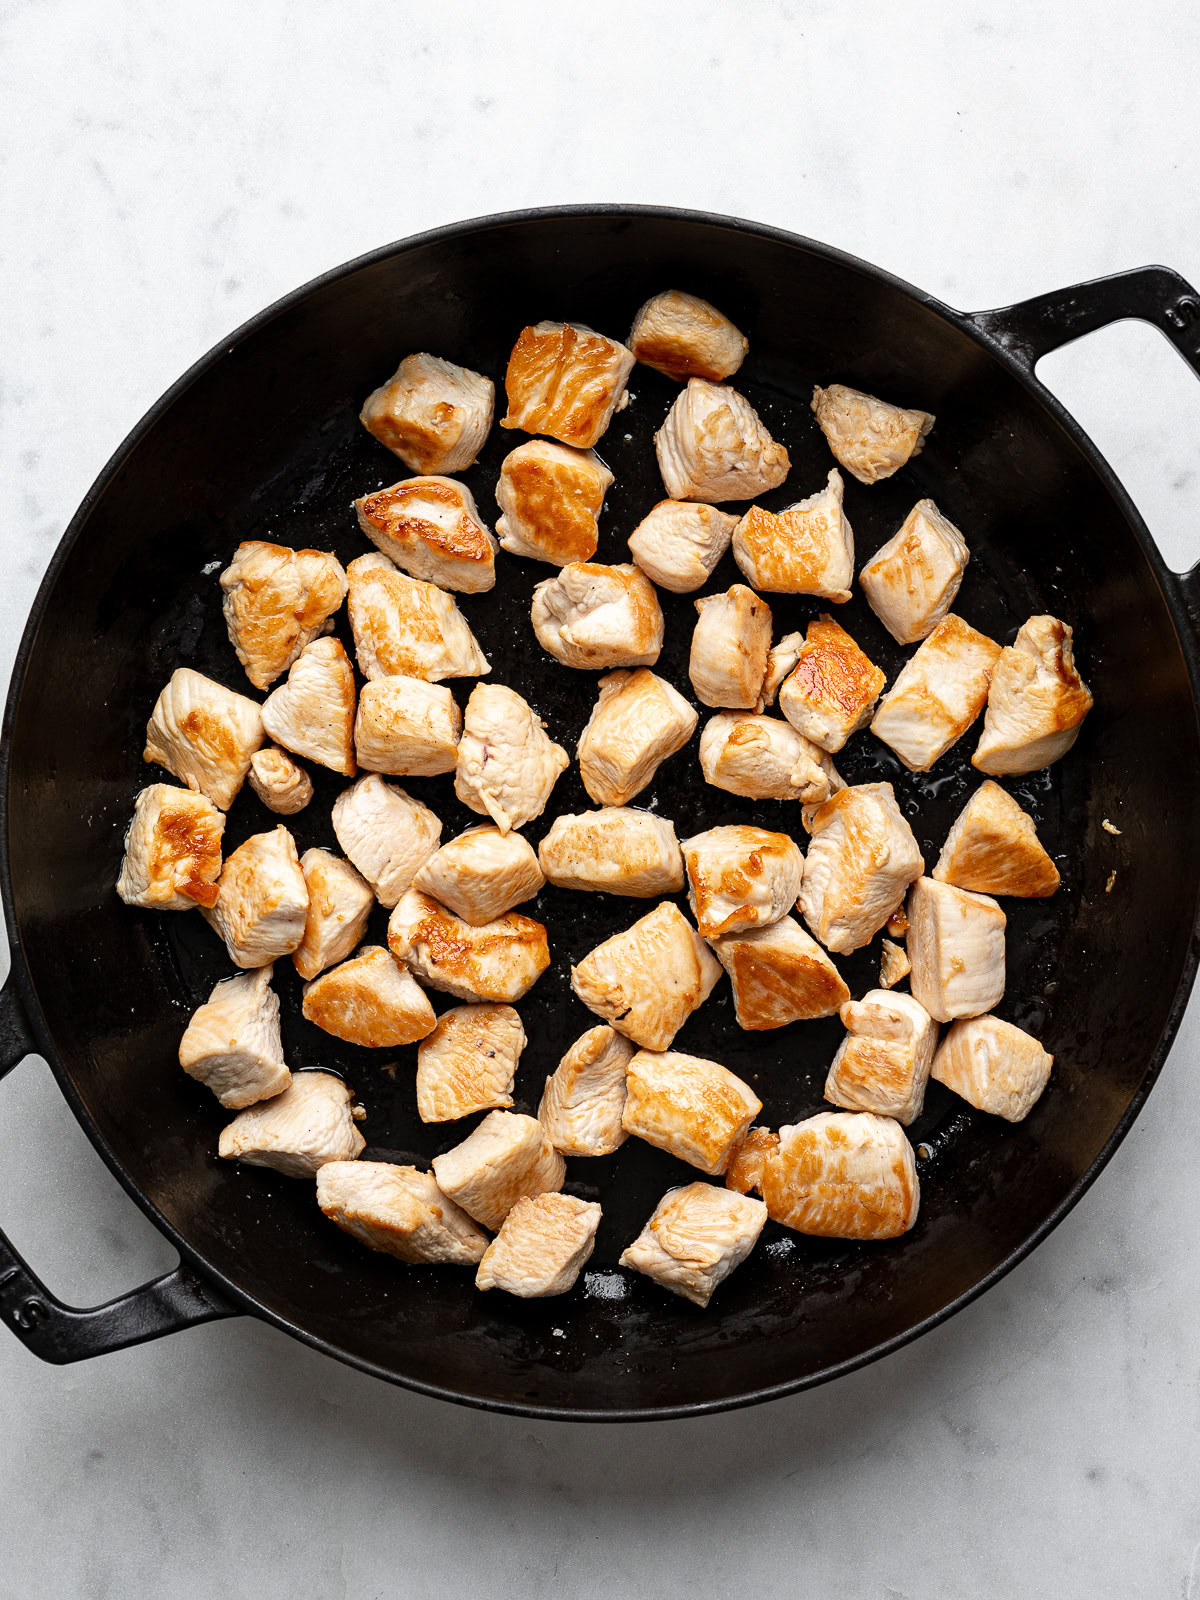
<point x="280" y="783"/>
<point x="730" y="645"/>
<point x="507" y="1158"/>
<point x="685" y="337"/>
<point x="233" y="1044"/>
<point x="832" y="690"/>
<point x="938" y="694"/>
<point x="861" y="860"/>
<point x="764" y="758"/>
<point x="566" y="380"/>
<point x="262" y="900"/>
<point x="617" y="850"/>
<point x="387" y="834"/>
<point x="277" y="601"/>
<point x="204" y="734"/>
<point x="507" y="765"/>
<point x="695" y="1238"/>
<point x="638" y="721"/>
<point x="779" y="975"/>
<point x="499" y="960"/>
<point x="649" y="979"/>
<point x="339" y="902"/>
<point x="585" y="1095"/>
<point x="713" y="446"/>
<point x="883" y="1063"/>
<point x="550" y="499"/>
<point x="994" y="1066"/>
<point x="956" y="946"/>
<point x="1036" y="703"/>
<point x="405" y="628"/>
<point x="993" y="848"/>
<point x="468" y="1062"/>
<point x="172" y="850"/>
<point x="592" y="616"/>
<point x="808" y="548"/>
<point x="400" y="1212"/>
<point x="312" y="714"/>
<point x="482" y="874"/>
<point x="407" y="727"/>
<point x="370" y="1000"/>
<point x="542" y="1246"/>
<point x="894" y="965"/>
<point x="431" y="529"/>
<point x="679" y="543"/>
<point x="432" y="414"/>
<point x="871" y="438"/>
<point x="741" y="877"/>
<point x="298" y="1131"/>
<point x="694" y="1109"/>
<point x="910" y="583"/>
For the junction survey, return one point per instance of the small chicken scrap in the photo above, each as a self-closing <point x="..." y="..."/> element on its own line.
<point x="172" y="850"/>
<point x="432" y="414"/>
<point x="280" y="783"/>
<point x="741" y="876"/>
<point x="387" y="834"/>
<point x="1036" y="703"/>
<point x="431" y="529"/>
<point x="400" y="1212"/>
<point x="764" y="758"/>
<point x="781" y="661"/>
<point x="694" y="1109"/>
<point x="204" y="734"/>
<point x="550" y="498"/>
<point x="481" y="874"/>
<point x="468" y="1062"/>
<point x="233" y="1042"/>
<point x="680" y="542"/>
<point x="298" y="1131"/>
<point x="262" y="900"/>
<point x="993" y="848"/>
<point x="499" y="960"/>
<point x="566" y="380"/>
<point x="371" y="1001"/>
<point x="956" y="946"/>
<point x="695" y="1238"/>
<point x="871" y="438"/>
<point x="894" y="965"/>
<point x="592" y="616"/>
<point x="779" y="975"/>
<point x="407" y="727"/>
<point x="832" y="690"/>
<point x="994" y="1066"/>
<point x="312" y="714"/>
<point x="507" y="1158"/>
<point x="585" y="1095"/>
<point x="730" y="646"/>
<point x="339" y="904"/>
<point x="277" y="601"/>
<point x="542" y="1246"/>
<point x="808" y="548"/>
<point x="883" y="1063"/>
<point x="684" y="337"/>
<point x="938" y="694"/>
<point x="713" y="446"/>
<point x="406" y="628"/>
<point x="649" y="979"/>
<point x="637" y="722"/>
<point x="507" y="765"/>
<point x="617" y="850"/>
<point x="860" y="862"/>
<point x="910" y="583"/>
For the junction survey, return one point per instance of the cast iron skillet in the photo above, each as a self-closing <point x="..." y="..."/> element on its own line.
<point x="261" y="439"/>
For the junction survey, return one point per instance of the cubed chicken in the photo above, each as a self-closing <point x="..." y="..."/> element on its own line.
<point x="592" y="616"/>
<point x="507" y="1158"/>
<point x="298" y="1131"/>
<point x="695" y="1110"/>
<point x="405" y="628"/>
<point x="831" y="691"/>
<point x="763" y="758"/>
<point x="730" y="645"/>
<point x="938" y="694"/>
<point x="638" y="721"/>
<point x="407" y="727"/>
<point x="172" y="850"/>
<point x="370" y="1000"/>
<point x="276" y="602"/>
<point x="233" y="1042"/>
<point x="312" y="714"/>
<point x="482" y="874"/>
<point x="387" y="834"/>
<point x="808" y="548"/>
<point x="339" y="903"/>
<point x="400" y="1212"/>
<point x="432" y="414"/>
<point x="685" y="337"/>
<point x="994" y="1066"/>
<point x="860" y="862"/>
<point x="585" y="1095"/>
<point x="871" y="438"/>
<point x="741" y="877"/>
<point x="679" y="543"/>
<point x="779" y="975"/>
<point x="910" y="583"/>
<point x="993" y="848"/>
<point x="280" y="783"/>
<point x="262" y="900"/>
<point x="647" y="980"/>
<point x="894" y="965"/>
<point x="204" y="734"/>
<point x="507" y="765"/>
<point x="1036" y="703"/>
<point x="468" y="1062"/>
<point x="550" y="499"/>
<point x="431" y="529"/>
<point x="695" y="1238"/>
<point x="542" y="1246"/>
<point x="956" y="946"/>
<point x="617" y="850"/>
<point x="883" y="1063"/>
<point x="713" y="446"/>
<point x="781" y="662"/>
<point x="499" y="960"/>
<point x="566" y="380"/>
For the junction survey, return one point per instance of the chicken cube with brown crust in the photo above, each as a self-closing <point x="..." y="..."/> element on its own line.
<point x="882" y="1065"/>
<point x="616" y="850"/>
<point x="779" y="975"/>
<point x="696" y="1110"/>
<point x="808" y="548"/>
<point x="740" y="876"/>
<point x="566" y="380"/>
<point x="1036" y="702"/>
<point x="832" y="690"/>
<point x="647" y="980"/>
<point x="861" y="859"/>
<point x="404" y="627"/>
<point x="730" y="645"/>
<point x="499" y="960"/>
<point x="993" y="848"/>
<point x="638" y="721"/>
<point x="938" y="694"/>
<point x="277" y="601"/>
<point x="431" y="528"/>
<point x="910" y="583"/>
<point x="550" y="499"/>
<point x="204" y="734"/>
<point x="172" y="850"/>
<point x="764" y="758"/>
<point x="370" y="1000"/>
<point x="684" y="337"/>
<point x="431" y="413"/>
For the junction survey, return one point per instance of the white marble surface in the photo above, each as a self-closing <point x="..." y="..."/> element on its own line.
<point x="169" y="169"/>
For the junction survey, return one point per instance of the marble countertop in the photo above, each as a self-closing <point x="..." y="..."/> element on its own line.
<point x="169" y="170"/>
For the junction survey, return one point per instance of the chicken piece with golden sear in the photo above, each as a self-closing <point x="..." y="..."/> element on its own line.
<point x="684" y="337"/>
<point x="993" y="848"/>
<point x="871" y="438"/>
<point x="298" y="1131"/>
<point x="468" y="1062"/>
<point x="585" y="1095"/>
<point x="370" y="1000"/>
<point x="550" y="500"/>
<point x="764" y="758"/>
<point x="507" y="765"/>
<point x="1036" y="703"/>
<point x="882" y="1065"/>
<point x="647" y="980"/>
<point x="481" y="874"/>
<point x="860" y="862"/>
<point x="831" y="691"/>
<point x="499" y="960"/>
<point x="542" y="1246"/>
<point x="262" y="900"/>
<point x="431" y="529"/>
<point x="694" y="1109"/>
<point x="172" y="850"/>
<point x="280" y="783"/>
<point x="679" y="543"/>
<point x="233" y="1043"/>
<point x="808" y="548"/>
<point x="312" y="714"/>
<point x="638" y="721"/>
<point x="995" y="1066"/>
<point x="713" y="446"/>
<point x="566" y="380"/>
<point x="956" y="946"/>
<point x="431" y="413"/>
<point x="592" y="616"/>
<point x="339" y="903"/>
<point x="695" y="1238"/>
<point x="507" y="1158"/>
<point x="741" y="876"/>
<point x="911" y="581"/>
<point x="204" y="734"/>
<point x="407" y="728"/>
<point x="938" y="694"/>
<point x="276" y="602"/>
<point x="779" y="975"/>
<point x="730" y="645"/>
<point x="406" y="628"/>
<point x="400" y="1212"/>
<point x="387" y="834"/>
<point x="616" y="850"/>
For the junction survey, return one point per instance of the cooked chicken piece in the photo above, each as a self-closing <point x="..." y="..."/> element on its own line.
<point x="339" y="903"/>
<point x="741" y="877"/>
<point x="837" y="783"/>
<point x="679" y="543"/>
<point x="894" y="965"/>
<point x="695" y="1238"/>
<point x="763" y="758"/>
<point x="468" y="1062"/>
<point x="994" y="1066"/>
<point x="370" y="1000"/>
<point x="407" y="727"/>
<point x="638" y="721"/>
<point x="400" y="1212"/>
<point x="204" y="734"/>
<point x="956" y="946"/>
<point x="685" y="337"/>
<point x="870" y="438"/>
<point x="499" y="960"/>
<point x="312" y="714"/>
<point x="694" y="1109"/>
<point x="592" y="616"/>
<point x="861" y="860"/>
<point x="172" y="850"/>
<point x="993" y="848"/>
<point x="781" y="660"/>
<point x="507" y="1158"/>
<point x="649" y="979"/>
<point x="262" y="900"/>
<point x="713" y="447"/>
<point x="507" y="765"/>
<point x="280" y="783"/>
<point x="387" y="834"/>
<point x="839" y="1175"/>
<point x="585" y="1095"/>
<point x="405" y="628"/>
<point x="807" y="548"/>
<point x="832" y="690"/>
<point x="276" y="602"/>
<point x="730" y="644"/>
<point x="233" y="1043"/>
<point x="911" y="582"/>
<point x="883" y="1063"/>
<point x="566" y="380"/>
<point x="482" y="874"/>
<point x="298" y="1131"/>
<point x="550" y="500"/>
<point x="779" y="975"/>
<point x="617" y="850"/>
<point x="1036" y="703"/>
<point x="542" y="1246"/>
<point x="432" y="414"/>
<point x="938" y="694"/>
<point x="431" y="529"/>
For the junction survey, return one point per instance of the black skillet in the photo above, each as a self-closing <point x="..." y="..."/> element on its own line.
<point x="261" y="439"/>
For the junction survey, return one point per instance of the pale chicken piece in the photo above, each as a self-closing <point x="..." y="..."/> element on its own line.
<point x="507" y="764"/>
<point x="431" y="413"/>
<point x="507" y="1158"/>
<point x="550" y="499"/>
<point x="387" y="834"/>
<point x="831" y="691"/>
<point x="882" y="1065"/>
<point x="407" y="727"/>
<point x="262" y="900"/>
<point x="204" y="734"/>
<point x="542" y="1246"/>
<point x="871" y="438"/>
<point x="339" y="903"/>
<point x="370" y="1000"/>
<point x="741" y="876"/>
<point x="431" y="529"/>
<point x="938" y="694"/>
<point x="499" y="960"/>
<point x="405" y="628"/>
<point x="312" y="714"/>
<point x="730" y="645"/>
<point x="684" y="337"/>
<point x="616" y="850"/>
<point x="713" y="446"/>
<point x="585" y="1095"/>
<point x="647" y="980"/>
<point x="400" y="1212"/>
<point x="763" y="758"/>
<point x="695" y="1238"/>
<point x="838" y="1175"/>
<point x="894" y="965"/>
<point x="1036" y="703"/>
<point x="781" y="660"/>
<point x="276" y="602"/>
<point x="910" y="583"/>
<point x="481" y="874"/>
<point x="592" y="616"/>
<point x="779" y="975"/>
<point x="298" y="1131"/>
<point x="956" y="946"/>
<point x="807" y="548"/>
<point x="172" y="850"/>
<point x="993" y="848"/>
<point x="638" y="721"/>
<point x="565" y="379"/>
<point x="468" y="1062"/>
<point x="861" y="860"/>
<point x="679" y="543"/>
<point x="694" y="1109"/>
<point x="837" y="783"/>
<point x="280" y="783"/>
<point x="995" y="1066"/>
<point x="233" y="1044"/>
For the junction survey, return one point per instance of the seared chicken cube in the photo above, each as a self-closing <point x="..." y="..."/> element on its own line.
<point x="566" y="380"/>
<point x="680" y="542"/>
<point x="592" y="616"/>
<point x="993" y="848"/>
<point x="370" y="1000"/>
<point x="730" y="645"/>
<point x="808" y="548"/>
<point x="312" y="714"/>
<point x="695" y="1238"/>
<point x="387" y="834"/>
<point x="649" y="979"/>
<point x="407" y="727"/>
<point x="883" y="1063"/>
<point x="685" y="337"/>
<point x="507" y="765"/>
<point x="204" y="734"/>
<point x="468" y="1062"/>
<point x="585" y="1095"/>
<point x="894" y="965"/>
<point x="499" y="960"/>
<point x="713" y="447"/>
<point x="431" y="529"/>
<point x="938" y="694"/>
<point x="994" y="1066"/>
<point x="482" y="874"/>
<point x="871" y="438"/>
<point x="550" y="499"/>
<point x="262" y="900"/>
<point x="694" y="1109"/>
<point x="400" y="1212"/>
<point x="507" y="1158"/>
<point x="832" y="690"/>
<point x="298" y="1131"/>
<point x="637" y="722"/>
<point x="1036" y="703"/>
<point x="741" y="877"/>
<point x="956" y="946"/>
<point x="280" y="783"/>
<point x="779" y="975"/>
<point x="432" y="414"/>
<point x="542" y="1246"/>
<point x="405" y="628"/>
<point x="172" y="850"/>
<point x="781" y="661"/>
<point x="339" y="903"/>
<point x="763" y="758"/>
<point x="277" y="601"/>
<point x="860" y="862"/>
<point x="233" y="1043"/>
<point x="911" y="582"/>
<point x="617" y="850"/>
